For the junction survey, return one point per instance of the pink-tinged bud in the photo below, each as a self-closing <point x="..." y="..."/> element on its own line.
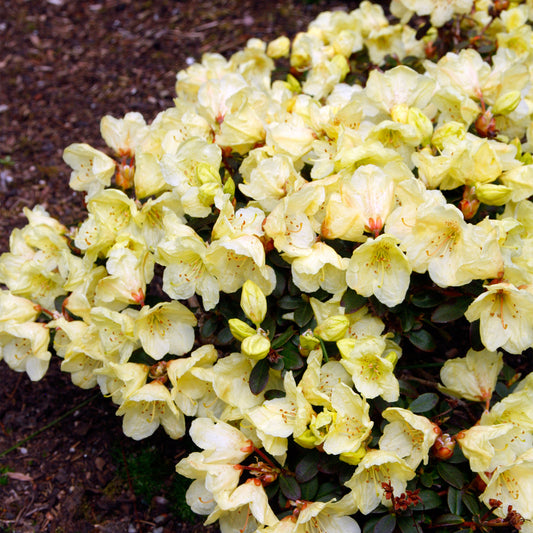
<point x="443" y="447"/>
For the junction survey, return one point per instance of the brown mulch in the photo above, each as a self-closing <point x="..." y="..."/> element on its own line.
<point x="63" y="65"/>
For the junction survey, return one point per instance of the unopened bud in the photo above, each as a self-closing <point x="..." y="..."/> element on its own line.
<point x="293" y="84"/>
<point x="239" y="329"/>
<point x="229" y="187"/>
<point x="207" y="193"/>
<point x="253" y="302"/>
<point x="308" y="342"/>
<point x="449" y="132"/>
<point x="392" y="356"/>
<point x="333" y="328"/>
<point x="506" y="103"/>
<point x="353" y="458"/>
<point x="493" y="194"/>
<point x="443" y="447"/>
<point x="279" y="47"/>
<point x="342" y="65"/>
<point x="306" y="440"/>
<point x="255" y="346"/>
<point x="206" y="173"/>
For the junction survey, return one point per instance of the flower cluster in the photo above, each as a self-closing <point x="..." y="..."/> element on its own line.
<point x="270" y="264"/>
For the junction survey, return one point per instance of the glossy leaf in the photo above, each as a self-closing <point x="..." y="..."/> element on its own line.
<point x="452" y="475"/>
<point x="387" y="524"/>
<point x="408" y="524"/>
<point x="290" y="488"/>
<point x="303" y="315"/>
<point x="422" y="339"/>
<point x="283" y="339"/>
<point x="309" y="489"/>
<point x="306" y="468"/>
<point x="259" y="376"/>
<point x="449" y="520"/>
<point x="424" y="403"/>
<point x="449" y="312"/>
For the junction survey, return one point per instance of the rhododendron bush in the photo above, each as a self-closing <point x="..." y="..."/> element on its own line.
<point x="319" y="265"/>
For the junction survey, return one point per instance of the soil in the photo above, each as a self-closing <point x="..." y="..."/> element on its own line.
<point x="64" y="65"/>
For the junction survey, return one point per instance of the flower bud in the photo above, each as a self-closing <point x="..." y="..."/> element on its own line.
<point x="255" y="346"/>
<point x="443" y="447"/>
<point x="308" y="342"/>
<point x="493" y="194"/>
<point x="333" y="328"/>
<point x="392" y="356"/>
<point x="341" y="63"/>
<point x="253" y="302"/>
<point x="207" y="193"/>
<point x="206" y="173"/>
<point x="293" y="84"/>
<point x="451" y="131"/>
<point x="421" y="123"/>
<point x="399" y="113"/>
<point x="306" y="440"/>
<point x="239" y="329"/>
<point x="279" y="47"/>
<point x="229" y="187"/>
<point x="353" y="458"/>
<point x="506" y="103"/>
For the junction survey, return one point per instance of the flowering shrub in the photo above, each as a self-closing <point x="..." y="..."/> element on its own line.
<point x="281" y="263"/>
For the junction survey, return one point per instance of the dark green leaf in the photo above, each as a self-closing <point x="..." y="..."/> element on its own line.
<point x="454" y="500"/>
<point x="289" y="302"/>
<point x="352" y="301"/>
<point x="449" y="312"/>
<point x="407" y="524"/>
<point x="209" y="327"/>
<point x="452" y="475"/>
<point x="422" y="339"/>
<point x="290" y="488"/>
<point x="427" y="299"/>
<point x="427" y="479"/>
<point x="303" y="315"/>
<point x="224" y="336"/>
<point x="309" y="489"/>
<point x="328" y="464"/>
<point x="274" y="393"/>
<point x="407" y="318"/>
<point x="387" y="524"/>
<point x="369" y="524"/>
<point x="327" y="491"/>
<point x="424" y="403"/>
<point x="475" y="337"/>
<point x="307" y="467"/>
<point x="448" y="520"/>
<point x="292" y="359"/>
<point x="472" y="503"/>
<point x="283" y="339"/>
<point x="259" y="376"/>
<point x="430" y="500"/>
<point x="269" y="324"/>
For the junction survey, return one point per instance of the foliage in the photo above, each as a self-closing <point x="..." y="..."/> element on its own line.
<point x="317" y="264"/>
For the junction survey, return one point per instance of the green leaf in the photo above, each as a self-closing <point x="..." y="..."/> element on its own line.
<point x="427" y="479"/>
<point x="452" y="475"/>
<point x="328" y="491"/>
<point x="449" y="312"/>
<point x="422" y="339"/>
<point x="289" y="302"/>
<point x="292" y="360"/>
<point x="369" y="524"/>
<point x="472" y="503"/>
<point x="407" y="318"/>
<point x="387" y="524"/>
<point x="407" y="524"/>
<point x="274" y="393"/>
<point x="424" y="403"/>
<point x="427" y="299"/>
<point x="283" y="339"/>
<point x="290" y="488"/>
<point x="303" y="315"/>
<point x="352" y="301"/>
<point x="309" y="489"/>
<point x="449" y="520"/>
<point x="209" y="327"/>
<point x="307" y="467"/>
<point x="455" y="497"/>
<point x="259" y="376"/>
<point x="430" y="500"/>
<point x="224" y="336"/>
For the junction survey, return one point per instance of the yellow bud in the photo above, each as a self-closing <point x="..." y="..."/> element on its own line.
<point x="353" y="458"/>
<point x="279" y="47"/>
<point x="239" y="329"/>
<point x="421" y="122"/>
<point x="253" y="302"/>
<point x="229" y="187"/>
<point x="255" y="346"/>
<point x="293" y="84"/>
<point x="207" y="193"/>
<point x="333" y="328"/>
<point x="308" y="342"/>
<point x="399" y="113"/>
<point x="506" y="103"/>
<point x="206" y="173"/>
<point x="306" y="440"/>
<point x="342" y="64"/>
<point x="493" y="194"/>
<point x="448" y="132"/>
<point x="392" y="356"/>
